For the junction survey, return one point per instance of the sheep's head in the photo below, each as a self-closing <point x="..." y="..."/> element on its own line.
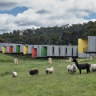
<point x="29" y="70"/>
<point x="52" y="68"/>
<point x="74" y="60"/>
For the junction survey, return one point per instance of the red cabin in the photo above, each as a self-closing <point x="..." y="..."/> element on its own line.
<point x="34" y="52"/>
<point x="10" y="49"/>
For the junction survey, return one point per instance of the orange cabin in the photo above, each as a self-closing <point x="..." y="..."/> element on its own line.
<point x="34" y="52"/>
<point x="10" y="49"/>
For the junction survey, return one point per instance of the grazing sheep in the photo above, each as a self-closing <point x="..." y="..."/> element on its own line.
<point x="71" y="68"/>
<point x="14" y="74"/>
<point x="49" y="70"/>
<point x="70" y="60"/>
<point x="16" y="61"/>
<point x="33" y="72"/>
<point x="93" y="67"/>
<point x="50" y="60"/>
<point x="82" y="66"/>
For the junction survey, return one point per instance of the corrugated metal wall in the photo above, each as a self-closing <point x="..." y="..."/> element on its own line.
<point x="0" y="47"/>
<point x="30" y="49"/>
<point x="14" y="48"/>
<point x="92" y="43"/>
<point x="21" y="48"/>
<point x="83" y="55"/>
<point x="75" y="51"/>
<point x="69" y="51"/>
<point x="7" y="48"/>
<point x="49" y="50"/>
<point x="56" y="51"/>
<point x="61" y="48"/>
<point x="38" y="50"/>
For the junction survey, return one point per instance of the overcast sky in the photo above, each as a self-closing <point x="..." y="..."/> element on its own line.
<point x="22" y="14"/>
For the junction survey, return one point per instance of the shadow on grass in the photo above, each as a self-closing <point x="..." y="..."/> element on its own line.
<point x="4" y="74"/>
<point x="5" y="60"/>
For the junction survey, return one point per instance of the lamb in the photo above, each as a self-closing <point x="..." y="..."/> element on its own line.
<point x="49" y="70"/>
<point x="14" y="74"/>
<point x="70" y="60"/>
<point x="34" y="72"/>
<point x="50" y="60"/>
<point x="93" y="67"/>
<point x="16" y="61"/>
<point x="71" y="68"/>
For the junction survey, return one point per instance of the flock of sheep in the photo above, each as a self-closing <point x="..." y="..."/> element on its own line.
<point x="71" y="68"/>
<point x="35" y="71"/>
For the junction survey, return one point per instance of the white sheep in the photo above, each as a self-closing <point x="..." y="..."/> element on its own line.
<point x="71" y="68"/>
<point x="14" y="74"/>
<point x="70" y="60"/>
<point x="49" y="70"/>
<point x="50" y="60"/>
<point x="93" y="67"/>
<point x="16" y="61"/>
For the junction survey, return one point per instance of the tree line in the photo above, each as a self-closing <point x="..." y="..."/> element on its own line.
<point x="63" y="35"/>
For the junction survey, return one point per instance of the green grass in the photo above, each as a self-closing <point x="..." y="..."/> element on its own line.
<point x="60" y="83"/>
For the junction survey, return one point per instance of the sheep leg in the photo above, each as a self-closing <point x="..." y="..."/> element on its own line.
<point x="87" y="70"/>
<point x="46" y="72"/>
<point x="80" y="71"/>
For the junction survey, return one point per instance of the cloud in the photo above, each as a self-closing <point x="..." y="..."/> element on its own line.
<point x="46" y="13"/>
<point x="7" y="5"/>
<point x="42" y="11"/>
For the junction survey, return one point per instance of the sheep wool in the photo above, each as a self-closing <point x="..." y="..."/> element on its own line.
<point x="33" y="72"/>
<point x="50" y="60"/>
<point x="16" y="61"/>
<point x="93" y="67"/>
<point x="14" y="74"/>
<point x="49" y="70"/>
<point x="72" y="68"/>
<point x="70" y="60"/>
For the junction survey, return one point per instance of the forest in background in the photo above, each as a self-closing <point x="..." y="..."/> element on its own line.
<point x="63" y="35"/>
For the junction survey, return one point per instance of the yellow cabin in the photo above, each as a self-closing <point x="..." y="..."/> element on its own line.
<point x="3" y="49"/>
<point x="82" y="45"/>
<point x="25" y="49"/>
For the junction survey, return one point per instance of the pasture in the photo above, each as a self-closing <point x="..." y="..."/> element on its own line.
<point x="60" y="83"/>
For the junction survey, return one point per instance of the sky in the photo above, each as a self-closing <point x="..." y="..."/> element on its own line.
<point x="22" y="14"/>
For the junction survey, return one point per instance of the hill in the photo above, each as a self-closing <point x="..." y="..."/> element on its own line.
<point x="63" y="35"/>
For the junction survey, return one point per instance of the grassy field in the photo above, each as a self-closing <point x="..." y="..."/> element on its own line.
<point x="60" y="83"/>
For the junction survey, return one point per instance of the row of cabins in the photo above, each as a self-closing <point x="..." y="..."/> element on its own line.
<point x="84" y="46"/>
<point x="87" y="47"/>
<point x="40" y="50"/>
